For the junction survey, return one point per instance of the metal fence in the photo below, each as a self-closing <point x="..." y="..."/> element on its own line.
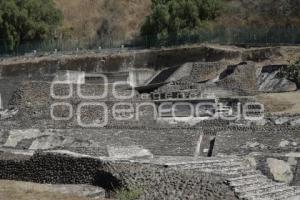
<point x="220" y="35"/>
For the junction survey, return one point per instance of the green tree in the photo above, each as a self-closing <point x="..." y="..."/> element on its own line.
<point x="179" y="17"/>
<point x="25" y="20"/>
<point x="292" y="72"/>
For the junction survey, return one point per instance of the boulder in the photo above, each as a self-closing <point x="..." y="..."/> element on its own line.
<point x="294" y="144"/>
<point x="292" y="161"/>
<point x="280" y="170"/>
<point x="253" y="144"/>
<point x="295" y="122"/>
<point x="16" y="136"/>
<point x="251" y="161"/>
<point x="281" y="120"/>
<point x="261" y="122"/>
<point x="284" y="143"/>
<point x="50" y="142"/>
<point x="6" y="114"/>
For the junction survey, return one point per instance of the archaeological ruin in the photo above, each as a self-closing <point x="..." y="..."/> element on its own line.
<point x="193" y="122"/>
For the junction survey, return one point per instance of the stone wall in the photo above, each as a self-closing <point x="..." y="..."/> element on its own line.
<point x="35" y="102"/>
<point x="269" y="139"/>
<point x="171" y="142"/>
<point x="115" y="62"/>
<point x="7" y="88"/>
<point x="196" y="72"/>
<point x="159" y="141"/>
<point x="141" y="65"/>
<point x="160" y="182"/>
<point x="156" y="181"/>
<point x="204" y="71"/>
<point x="240" y="77"/>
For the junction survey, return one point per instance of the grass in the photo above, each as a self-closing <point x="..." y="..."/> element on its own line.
<point x="133" y="193"/>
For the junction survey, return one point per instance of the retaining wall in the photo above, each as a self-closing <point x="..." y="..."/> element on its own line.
<point x="156" y="182"/>
<point x="267" y="140"/>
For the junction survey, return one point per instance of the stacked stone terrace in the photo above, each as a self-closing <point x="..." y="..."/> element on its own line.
<point x="227" y="177"/>
<point x="164" y="175"/>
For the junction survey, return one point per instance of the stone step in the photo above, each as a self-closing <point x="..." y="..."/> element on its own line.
<point x="225" y="169"/>
<point x="257" y="185"/>
<point x="248" y="184"/>
<point x="249" y="173"/>
<point x="275" y="193"/>
<point x="225" y="175"/>
<point x="246" y="178"/>
<point x="260" y="189"/>
<point x="288" y="196"/>
<point x="296" y="197"/>
<point x="217" y="167"/>
<point x="208" y="161"/>
<point x="228" y="174"/>
<point x="243" y="184"/>
<point x="271" y="194"/>
<point x="227" y="159"/>
<point x="195" y="164"/>
<point x="240" y="171"/>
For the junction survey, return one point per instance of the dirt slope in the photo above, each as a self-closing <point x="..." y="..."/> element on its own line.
<point x="123" y="18"/>
<point x="87" y="18"/>
<point x="13" y="190"/>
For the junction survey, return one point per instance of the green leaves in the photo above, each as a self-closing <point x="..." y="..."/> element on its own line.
<point x="292" y="72"/>
<point x="179" y="17"/>
<point x="25" y="20"/>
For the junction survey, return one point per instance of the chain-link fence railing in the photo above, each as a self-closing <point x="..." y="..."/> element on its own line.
<point x="220" y="35"/>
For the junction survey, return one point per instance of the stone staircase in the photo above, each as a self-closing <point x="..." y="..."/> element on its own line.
<point x="247" y="183"/>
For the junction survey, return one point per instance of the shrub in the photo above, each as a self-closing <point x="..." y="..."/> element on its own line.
<point x="292" y="72"/>
<point x="179" y="17"/>
<point x="132" y="193"/>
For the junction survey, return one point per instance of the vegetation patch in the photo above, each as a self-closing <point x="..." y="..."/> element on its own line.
<point x="177" y="17"/>
<point x="27" y="20"/>
<point x="130" y="193"/>
<point x="292" y="72"/>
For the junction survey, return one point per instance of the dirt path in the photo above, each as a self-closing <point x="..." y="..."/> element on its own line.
<point x="13" y="190"/>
